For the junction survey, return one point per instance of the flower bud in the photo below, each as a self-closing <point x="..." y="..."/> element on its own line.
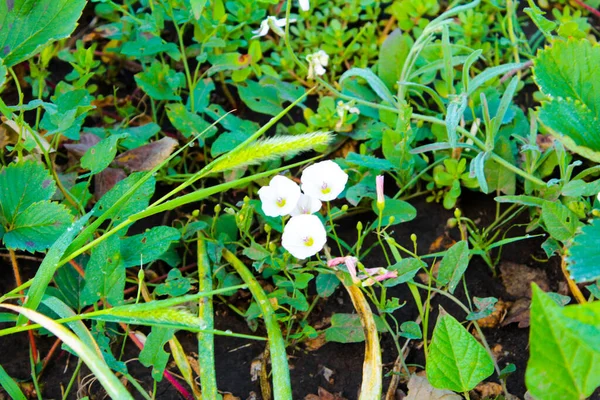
<point x="268" y="228"/>
<point x="195" y="213"/>
<point x="413" y="237"/>
<point x="380" y="195"/>
<point x="217" y="209"/>
<point x="457" y="213"/>
<point x="359" y="226"/>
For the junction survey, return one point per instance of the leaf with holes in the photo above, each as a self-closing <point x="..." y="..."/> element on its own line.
<point x="456" y="361"/>
<point x="99" y="156"/>
<point x="27" y="26"/>
<point x="564" y="349"/>
<point x="584" y="254"/>
<point x="136" y="202"/>
<point x="29" y="219"/>
<point x="105" y="274"/>
<point x="153" y="354"/>
<point x="561" y="223"/>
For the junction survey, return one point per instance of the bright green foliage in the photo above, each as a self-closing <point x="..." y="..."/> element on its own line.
<point x="392" y="55"/>
<point x="347" y="328"/>
<point x="456" y="360"/>
<point x="564" y="349"/>
<point x="584" y="254"/>
<point x="161" y="82"/>
<point x="148" y="246"/>
<point x="67" y="113"/>
<point x="175" y="285"/>
<point x="153" y="354"/>
<point x="105" y="274"/>
<point x="406" y="269"/>
<point x="453" y="265"/>
<point x="400" y="210"/>
<point x="26" y="26"/>
<point x="326" y="284"/>
<point x="99" y="156"/>
<point x="574" y="106"/>
<point x="410" y="330"/>
<point x="560" y="222"/>
<point x="451" y="175"/>
<point x="188" y="123"/>
<point x="29" y="219"/>
<point x="135" y="203"/>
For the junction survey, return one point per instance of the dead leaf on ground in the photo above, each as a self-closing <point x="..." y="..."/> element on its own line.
<point x="419" y="388"/>
<point x="148" y="156"/>
<point x="86" y="140"/>
<point x="518" y="312"/>
<point x="315" y="343"/>
<point x="229" y="396"/>
<point x="424" y="276"/>
<point x="106" y="179"/>
<point x="489" y="390"/>
<point x="517" y="279"/>
<point x="442" y="242"/>
<point x="496" y="317"/>
<point x="10" y="132"/>
<point x="324" y="395"/>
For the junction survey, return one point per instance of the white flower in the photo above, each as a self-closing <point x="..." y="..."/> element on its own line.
<point x="306" y="205"/>
<point x="280" y="197"/>
<point x="304" y="236"/>
<point x="271" y="23"/>
<point x="316" y="63"/>
<point x="324" y="180"/>
<point x="304" y="5"/>
<point x="344" y="108"/>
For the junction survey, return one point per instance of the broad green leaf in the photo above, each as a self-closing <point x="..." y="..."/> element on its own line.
<point x="406" y="268"/>
<point x="137" y="202"/>
<point x="227" y="141"/>
<point x="27" y="26"/>
<point x="373" y="163"/>
<point x="3" y="73"/>
<point x="454" y="114"/>
<point x="9" y="385"/>
<point x="145" y="47"/>
<point x="260" y="97"/>
<point x="227" y="62"/>
<point x="372" y="80"/>
<point x="453" y="265"/>
<point x="410" y="330"/>
<point x="161" y="82"/>
<point x="485" y="307"/>
<point x="577" y="187"/>
<point x="69" y="284"/>
<point x="400" y="210"/>
<point x="347" y="328"/>
<point x="96" y="364"/>
<point x="564" y="349"/>
<point x="188" y="123"/>
<point x="99" y="156"/>
<point x="498" y="177"/>
<point x="105" y="274"/>
<point x="392" y="54"/>
<point x="456" y="360"/>
<point x="38" y="226"/>
<point x="138" y="135"/>
<point x="202" y="92"/>
<point x="584" y="254"/>
<point x="153" y="354"/>
<point x="326" y="284"/>
<point x="175" y="284"/>
<point x="67" y="114"/>
<point x="148" y="246"/>
<point x="561" y="223"/>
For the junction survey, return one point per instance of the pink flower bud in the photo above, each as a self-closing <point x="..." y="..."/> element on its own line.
<point x="380" y="196"/>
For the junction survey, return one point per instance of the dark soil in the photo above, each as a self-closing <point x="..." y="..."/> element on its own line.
<point x="234" y="356"/>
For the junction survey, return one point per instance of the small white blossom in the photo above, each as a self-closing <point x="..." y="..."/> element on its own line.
<point x="317" y="63"/>
<point x="271" y="23"/>
<point x="324" y="180"/>
<point x="306" y="205"/>
<point x="304" y="236"/>
<point x="280" y="197"/>
<point x="304" y="5"/>
<point x="345" y="108"/>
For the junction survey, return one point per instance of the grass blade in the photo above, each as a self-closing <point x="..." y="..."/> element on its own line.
<point x="11" y="387"/>
<point x="206" y="344"/>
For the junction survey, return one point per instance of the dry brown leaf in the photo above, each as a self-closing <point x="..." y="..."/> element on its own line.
<point x="419" y="388"/>
<point x="86" y="141"/>
<point x="229" y="396"/>
<point x="489" y="390"/>
<point x="148" y="156"/>
<point x="424" y="276"/>
<point x="9" y="134"/>
<point x="496" y="317"/>
<point x="324" y="395"/>
<point x="517" y="279"/>
<point x="518" y="312"/>
<point x="106" y="179"/>
<point x="442" y="242"/>
<point x="315" y="343"/>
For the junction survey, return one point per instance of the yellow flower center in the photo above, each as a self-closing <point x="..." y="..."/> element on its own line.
<point x="325" y="188"/>
<point x="280" y="202"/>
<point x="308" y="241"/>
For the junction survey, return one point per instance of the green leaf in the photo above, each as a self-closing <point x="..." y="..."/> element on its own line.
<point x="9" y="385"/>
<point x="485" y="307"/>
<point x="406" y="268"/>
<point x="373" y="80"/>
<point x="326" y="284"/>
<point x="399" y="209"/>
<point x="537" y="16"/>
<point x="137" y="202"/>
<point x="584" y="254"/>
<point x="392" y="54"/>
<point x="99" y="156"/>
<point x="27" y="26"/>
<point x="38" y="226"/>
<point x="188" y="123"/>
<point x="105" y="274"/>
<point x="347" y="328"/>
<point x="453" y="265"/>
<point x="138" y="135"/>
<point x="148" y="246"/>
<point x="373" y="163"/>
<point x="175" y="285"/>
<point x="410" y="330"/>
<point x="256" y="252"/>
<point x="456" y="360"/>
<point x="577" y="187"/>
<point x="260" y="97"/>
<point x="202" y="92"/>
<point x="454" y="114"/>
<point x="227" y="141"/>
<point x="564" y="349"/>
<point x="561" y="223"/>
<point x="67" y="114"/>
<point x="153" y="354"/>
<point x="160" y="82"/>
<point x="498" y="177"/>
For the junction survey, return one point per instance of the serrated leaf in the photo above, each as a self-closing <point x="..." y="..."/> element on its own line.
<point x="456" y="360"/>
<point x="99" y="156"/>
<point x="453" y="265"/>
<point x="537" y="16"/>
<point x="564" y="349"/>
<point x="188" y="123"/>
<point x="27" y="26"/>
<point x="136" y="202"/>
<point x="105" y="274"/>
<point x="561" y="223"/>
<point x="148" y="246"/>
<point x="584" y="255"/>
<point x="38" y="226"/>
<point x="153" y="354"/>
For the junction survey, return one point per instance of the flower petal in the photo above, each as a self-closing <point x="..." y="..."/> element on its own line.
<point x="304" y="236"/>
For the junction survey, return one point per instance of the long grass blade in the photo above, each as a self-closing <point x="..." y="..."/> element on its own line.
<point x="206" y="343"/>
